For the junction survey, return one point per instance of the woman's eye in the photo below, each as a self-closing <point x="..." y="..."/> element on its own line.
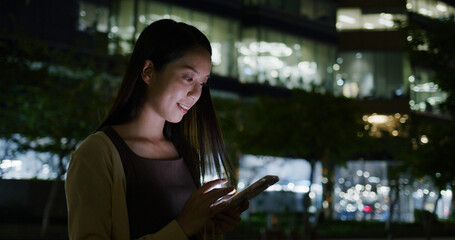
<point x="189" y="79"/>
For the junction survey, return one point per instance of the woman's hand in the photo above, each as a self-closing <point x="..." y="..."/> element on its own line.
<point x="197" y="211"/>
<point x="227" y="219"/>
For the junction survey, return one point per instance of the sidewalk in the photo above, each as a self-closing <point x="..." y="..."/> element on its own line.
<point x="412" y="238"/>
<point x="334" y="238"/>
<point x="419" y="238"/>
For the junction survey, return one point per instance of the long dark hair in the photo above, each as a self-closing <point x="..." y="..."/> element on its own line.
<point x="198" y="136"/>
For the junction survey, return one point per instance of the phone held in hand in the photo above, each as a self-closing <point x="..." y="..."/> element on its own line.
<point x="250" y="192"/>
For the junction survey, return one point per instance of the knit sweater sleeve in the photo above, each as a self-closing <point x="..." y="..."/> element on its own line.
<point x="170" y="231"/>
<point x="88" y="190"/>
<point x="91" y="193"/>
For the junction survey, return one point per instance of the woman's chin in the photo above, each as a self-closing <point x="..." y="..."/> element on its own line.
<point x="175" y="119"/>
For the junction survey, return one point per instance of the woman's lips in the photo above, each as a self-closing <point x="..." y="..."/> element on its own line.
<point x="183" y="108"/>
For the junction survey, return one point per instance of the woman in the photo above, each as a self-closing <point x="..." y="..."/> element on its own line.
<point x="139" y="175"/>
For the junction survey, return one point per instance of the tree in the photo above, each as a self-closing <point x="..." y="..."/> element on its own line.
<point x="434" y="146"/>
<point x="431" y="45"/>
<point x="52" y="98"/>
<point x="229" y="113"/>
<point x="8" y="152"/>
<point x="310" y="125"/>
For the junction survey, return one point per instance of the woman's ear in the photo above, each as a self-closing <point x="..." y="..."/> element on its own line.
<point x="148" y="70"/>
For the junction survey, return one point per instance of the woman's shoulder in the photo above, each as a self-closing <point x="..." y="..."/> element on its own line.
<point x="96" y="156"/>
<point x="95" y="141"/>
<point x="96" y="145"/>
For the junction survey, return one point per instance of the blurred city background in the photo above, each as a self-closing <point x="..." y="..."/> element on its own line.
<point x="349" y="102"/>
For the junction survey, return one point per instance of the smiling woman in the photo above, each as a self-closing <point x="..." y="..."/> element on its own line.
<point x="139" y="175"/>
<point x="179" y="84"/>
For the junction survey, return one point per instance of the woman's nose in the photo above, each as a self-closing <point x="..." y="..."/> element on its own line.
<point x="195" y="91"/>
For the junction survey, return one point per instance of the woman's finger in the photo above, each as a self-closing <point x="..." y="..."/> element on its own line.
<point x="217" y="193"/>
<point x="212" y="196"/>
<point x="212" y="184"/>
<point x="225" y="223"/>
<point x="228" y="217"/>
<point x="243" y="206"/>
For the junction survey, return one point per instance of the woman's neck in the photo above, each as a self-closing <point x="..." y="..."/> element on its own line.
<point x="144" y="136"/>
<point x="146" y="125"/>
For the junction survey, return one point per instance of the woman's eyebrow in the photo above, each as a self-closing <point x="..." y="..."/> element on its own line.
<point x="193" y="69"/>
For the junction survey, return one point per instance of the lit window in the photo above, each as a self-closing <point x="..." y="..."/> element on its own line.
<point x="353" y="18"/>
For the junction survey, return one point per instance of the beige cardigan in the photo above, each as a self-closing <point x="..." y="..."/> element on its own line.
<point x="96" y="195"/>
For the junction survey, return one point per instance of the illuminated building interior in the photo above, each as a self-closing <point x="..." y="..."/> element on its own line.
<point x="353" y="18"/>
<point x="425" y="95"/>
<point x="370" y="74"/>
<point x="432" y="9"/>
<point x="267" y="56"/>
<point x="363" y="192"/>
<point x="262" y="55"/>
<point x="376" y="124"/>
<point x="294" y="182"/>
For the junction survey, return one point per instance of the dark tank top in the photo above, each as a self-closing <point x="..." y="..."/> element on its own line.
<point x="156" y="190"/>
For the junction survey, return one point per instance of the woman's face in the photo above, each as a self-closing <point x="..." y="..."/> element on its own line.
<point x="178" y="86"/>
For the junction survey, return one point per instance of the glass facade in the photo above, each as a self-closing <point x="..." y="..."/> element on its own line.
<point x="387" y="74"/>
<point x="367" y="74"/>
<point x="319" y="10"/>
<point x="289" y="191"/>
<point x="270" y="57"/>
<point x="253" y="55"/>
<point x="222" y="32"/>
<point x="431" y="8"/>
<point x="355" y="18"/>
<point x="379" y="124"/>
<point x="364" y="192"/>
<point x="265" y="56"/>
<point x="277" y="59"/>
<point x="361" y="191"/>
<point x="93" y="17"/>
<point x="425" y="95"/>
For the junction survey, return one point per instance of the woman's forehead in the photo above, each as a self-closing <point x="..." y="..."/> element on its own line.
<point x="198" y="62"/>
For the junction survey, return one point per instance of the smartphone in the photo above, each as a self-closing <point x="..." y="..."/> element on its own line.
<point x="250" y="192"/>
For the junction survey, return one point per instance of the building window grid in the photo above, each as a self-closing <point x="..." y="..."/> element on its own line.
<point x="93" y="17"/>
<point x="366" y="74"/>
<point x="121" y="40"/>
<point x="122" y="28"/>
<point x="355" y="19"/>
<point x="425" y="95"/>
<point x="122" y="36"/>
<point x="431" y="8"/>
<point x="319" y="10"/>
<point x="421" y="77"/>
<point x="304" y="64"/>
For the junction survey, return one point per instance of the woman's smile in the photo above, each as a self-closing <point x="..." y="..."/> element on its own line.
<point x="179" y="83"/>
<point x="183" y="108"/>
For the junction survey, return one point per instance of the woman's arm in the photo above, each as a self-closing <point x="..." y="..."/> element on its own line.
<point x="97" y="204"/>
<point x="89" y="191"/>
<point x="170" y="231"/>
<point x="95" y="188"/>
